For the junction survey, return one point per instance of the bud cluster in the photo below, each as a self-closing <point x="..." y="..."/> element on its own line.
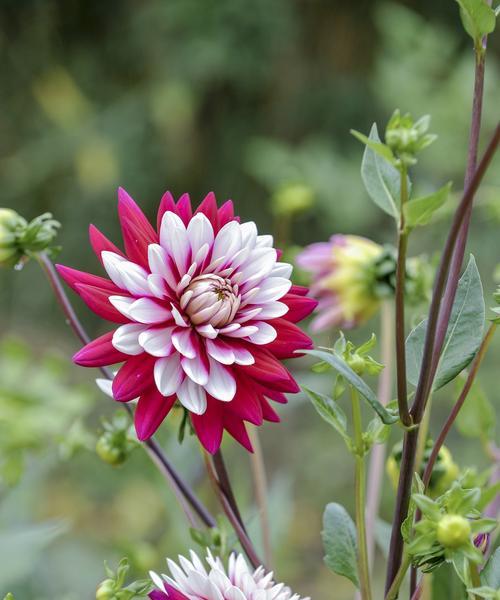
<point x="112" y="588"/>
<point x="116" y="441"/>
<point x="407" y="138"/>
<point x="19" y="239"/>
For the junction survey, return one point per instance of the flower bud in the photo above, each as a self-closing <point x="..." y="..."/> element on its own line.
<point x="106" y="590"/>
<point x="292" y="199"/>
<point x="482" y="542"/>
<point x="10" y="223"/>
<point x="453" y="531"/>
<point x="407" y="138"/>
<point x="110" y="449"/>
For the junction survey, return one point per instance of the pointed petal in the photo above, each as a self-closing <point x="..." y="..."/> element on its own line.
<point x="299" y="307"/>
<point x="208" y="427"/>
<point x="98" y="300"/>
<point x="174" y="238"/>
<point x="221" y="384"/>
<point x="199" y="232"/>
<point x="126" y="338"/>
<point x="100" y="242"/>
<point x="192" y="396"/>
<point x="196" y="369"/>
<point x="151" y="409"/>
<point x="137" y="231"/>
<point x="209" y="208"/>
<point x="226" y="213"/>
<point x="237" y="430"/>
<point x="168" y="374"/>
<point x="184" y="209"/>
<point x="147" y="310"/>
<point x="157" y="341"/>
<point x="134" y="377"/>
<point x="290" y="338"/>
<point x="166" y="203"/>
<point x="99" y="353"/>
<point x="185" y="342"/>
<point x="73" y="276"/>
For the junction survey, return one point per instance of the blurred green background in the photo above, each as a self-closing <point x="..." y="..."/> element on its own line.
<point x="239" y="97"/>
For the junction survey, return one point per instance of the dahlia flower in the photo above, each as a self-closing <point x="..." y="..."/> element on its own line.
<point x="193" y="581"/>
<point x="342" y="280"/>
<point x="204" y="311"/>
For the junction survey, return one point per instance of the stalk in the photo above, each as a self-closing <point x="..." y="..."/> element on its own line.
<point x="426" y="376"/>
<point x="363" y="561"/>
<point x="183" y="492"/>
<point x="260" y="484"/>
<point x="400" y="306"/>
<point x="225" y="485"/>
<point x="393" y="591"/>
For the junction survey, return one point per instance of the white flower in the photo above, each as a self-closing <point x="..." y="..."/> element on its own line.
<point x="193" y="580"/>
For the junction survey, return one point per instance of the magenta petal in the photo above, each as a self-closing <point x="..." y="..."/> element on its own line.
<point x="151" y="409"/>
<point x="226" y="213"/>
<point x="100" y="242"/>
<point x="246" y="403"/>
<point x="208" y="426"/>
<point x="299" y="307"/>
<point x="290" y="338"/>
<point x="184" y="209"/>
<point x="237" y="429"/>
<point x="97" y="300"/>
<point x="270" y="371"/>
<point x="137" y="231"/>
<point x="300" y="290"/>
<point x="268" y="411"/>
<point x="73" y="277"/>
<point x="209" y="208"/>
<point x="167" y="203"/>
<point x="99" y="353"/>
<point x="134" y="377"/>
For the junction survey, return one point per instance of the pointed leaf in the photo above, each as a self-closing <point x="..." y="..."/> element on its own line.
<point x="477" y="17"/>
<point x="339" y="542"/>
<point x="330" y="411"/>
<point x="420" y="210"/>
<point x="387" y="416"/>
<point x="464" y="335"/>
<point x="490" y="575"/>
<point x="476" y="418"/>
<point x="381" y="179"/>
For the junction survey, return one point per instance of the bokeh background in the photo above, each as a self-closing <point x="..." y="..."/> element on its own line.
<point x="242" y="97"/>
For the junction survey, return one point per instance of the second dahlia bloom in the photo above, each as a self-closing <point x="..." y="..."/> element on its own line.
<point x="343" y="278"/>
<point x="195" y="580"/>
<point x="204" y="313"/>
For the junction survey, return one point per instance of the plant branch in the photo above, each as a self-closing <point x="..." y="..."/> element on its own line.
<point x="426" y="377"/>
<point x="363" y="561"/>
<point x="243" y="538"/>
<point x="404" y="414"/>
<point x="181" y="489"/>
<point x="225" y="485"/>
<point x="393" y="591"/>
<point x="260" y="482"/>
<point x="459" y="403"/>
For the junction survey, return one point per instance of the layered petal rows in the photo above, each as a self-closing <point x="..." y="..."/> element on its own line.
<point x="205" y="311"/>
<point x="197" y="580"/>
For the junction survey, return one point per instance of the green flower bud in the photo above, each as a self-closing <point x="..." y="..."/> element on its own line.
<point x="292" y="199"/>
<point x="111" y="450"/>
<point x="106" y="590"/>
<point x="10" y="224"/>
<point x="453" y="531"/>
<point x="357" y="363"/>
<point x="407" y="138"/>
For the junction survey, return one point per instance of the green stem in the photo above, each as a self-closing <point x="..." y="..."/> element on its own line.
<point x="400" y="305"/>
<point x="474" y="577"/>
<point x="363" y="562"/>
<point x="393" y="591"/>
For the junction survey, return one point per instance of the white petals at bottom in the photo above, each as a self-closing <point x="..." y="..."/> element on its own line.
<point x="126" y="338"/>
<point x="192" y="396"/>
<point x="168" y="374"/>
<point x="221" y="384"/>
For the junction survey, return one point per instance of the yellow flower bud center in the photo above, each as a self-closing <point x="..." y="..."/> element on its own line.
<point x="453" y="531"/>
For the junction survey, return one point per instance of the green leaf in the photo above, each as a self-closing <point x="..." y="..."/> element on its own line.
<point x="377" y="146"/>
<point x="476" y="418"/>
<point x="446" y="584"/>
<point x="339" y="542"/>
<point x="464" y="335"/>
<point x="490" y="575"/>
<point x="381" y="179"/>
<point x="330" y="411"/>
<point x="477" y="17"/>
<point x="420" y="210"/>
<point x="388" y="417"/>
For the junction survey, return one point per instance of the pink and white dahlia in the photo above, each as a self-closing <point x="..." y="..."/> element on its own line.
<point x="205" y="313"/>
<point x="343" y="280"/>
<point x="193" y="580"/>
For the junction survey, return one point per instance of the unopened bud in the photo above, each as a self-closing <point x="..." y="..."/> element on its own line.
<point x="453" y="531"/>
<point x="292" y="199"/>
<point x="407" y="138"/>
<point x="106" y="590"/>
<point x="111" y="450"/>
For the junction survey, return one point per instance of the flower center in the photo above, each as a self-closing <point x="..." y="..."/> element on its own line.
<point x="210" y="299"/>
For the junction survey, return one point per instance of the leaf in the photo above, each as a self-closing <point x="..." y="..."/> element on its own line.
<point x="477" y="17"/>
<point x="464" y="335"/>
<point x="355" y="380"/>
<point x="379" y="147"/>
<point x="490" y="575"/>
<point x="446" y="584"/>
<point x="476" y="418"/>
<point x="420" y="210"/>
<point x="331" y="412"/>
<point x="339" y="542"/>
<point x="381" y="179"/>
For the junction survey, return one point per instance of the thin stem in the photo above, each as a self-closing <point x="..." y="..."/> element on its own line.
<point x="400" y="306"/>
<point x="260" y="483"/>
<point x="459" y="249"/>
<point x="181" y="489"/>
<point x="243" y="538"/>
<point x="363" y="563"/>
<point x="377" y="458"/>
<point x="475" y="578"/>
<point x="426" y="377"/>
<point x="225" y="484"/>
<point x="418" y="590"/>
<point x="459" y="403"/>
<point x="393" y="591"/>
